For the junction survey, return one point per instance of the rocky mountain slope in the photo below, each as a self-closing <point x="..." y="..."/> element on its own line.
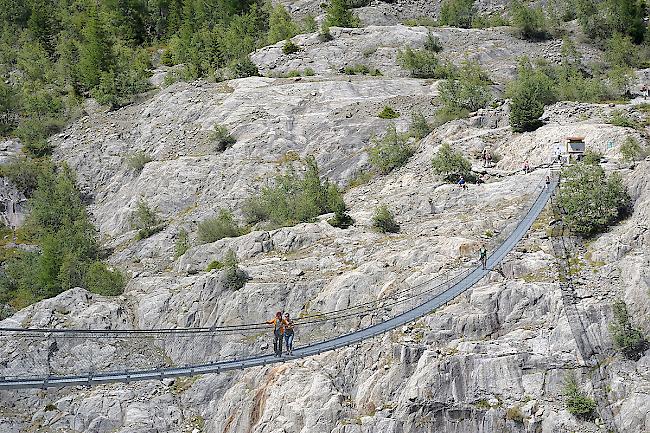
<point x="493" y="360"/>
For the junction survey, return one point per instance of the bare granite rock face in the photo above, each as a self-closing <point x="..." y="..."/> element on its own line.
<point x="495" y="359"/>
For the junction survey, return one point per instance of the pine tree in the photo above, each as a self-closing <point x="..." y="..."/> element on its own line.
<point x="94" y="53"/>
<point x="339" y="14"/>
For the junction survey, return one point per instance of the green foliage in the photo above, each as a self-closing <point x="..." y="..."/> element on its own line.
<point x="383" y="220"/>
<point x="419" y="127"/>
<point x="145" y="220"/>
<point x="592" y="201"/>
<point x="308" y="72"/>
<point x="182" y="243"/>
<point x="592" y="157"/>
<point x="529" y="94"/>
<point x="68" y="251"/>
<point x="243" y="68"/>
<point x="289" y="47"/>
<point x="515" y="414"/>
<point x="214" y="264"/>
<point x="293" y="198"/>
<point x="309" y="24"/>
<point x="137" y="160"/>
<point x="621" y="51"/>
<point x="529" y="21"/>
<point x="432" y="43"/>
<point x="104" y="281"/>
<point x="339" y="14"/>
<point x="421" y="63"/>
<point x="391" y="151"/>
<point x="451" y="164"/>
<point x="457" y="13"/>
<point x="281" y="26"/>
<point x="577" y="403"/>
<point x="219" y="227"/>
<point x="222" y="138"/>
<point x="600" y="20"/>
<point x="324" y="34"/>
<point x="356" y="70"/>
<point x="629" y="340"/>
<point x="234" y="277"/>
<point x="620" y="118"/>
<point x="468" y="89"/>
<point x="631" y="149"/>
<point x="25" y="173"/>
<point x="388" y="113"/>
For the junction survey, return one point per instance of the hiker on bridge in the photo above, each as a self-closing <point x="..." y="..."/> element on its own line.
<point x="278" y="330"/>
<point x="462" y="183"/>
<point x="288" y="333"/>
<point x="483" y="256"/>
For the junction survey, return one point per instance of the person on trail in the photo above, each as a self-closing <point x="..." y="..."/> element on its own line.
<point x="488" y="159"/>
<point x="461" y="182"/>
<point x="548" y="182"/>
<point x="278" y="330"/>
<point x="483" y="256"/>
<point x="288" y="333"/>
<point x="526" y="167"/>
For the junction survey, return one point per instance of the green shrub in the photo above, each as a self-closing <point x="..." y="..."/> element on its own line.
<point x="620" y="118"/>
<point x="234" y="277"/>
<point x="214" y="264"/>
<point x="391" y="151"/>
<point x="309" y="24"/>
<point x="629" y="340"/>
<point x="166" y="58"/>
<point x="243" y="68"/>
<point x="145" y="221"/>
<point x="324" y="34"/>
<point x="356" y="70"/>
<point x="293" y="198"/>
<point x="515" y="414"/>
<point x="529" y="21"/>
<point x="468" y="90"/>
<point x="281" y="26"/>
<point x="487" y="21"/>
<point x="388" y="113"/>
<point x="339" y="14"/>
<point x="421" y="21"/>
<point x="222" y="226"/>
<point x="341" y="219"/>
<point x="103" y="281"/>
<point x="592" y="201"/>
<point x="419" y="127"/>
<point x="289" y="47"/>
<point x="137" y="160"/>
<point x="451" y="164"/>
<point x="432" y="43"/>
<point x="457" y="13"/>
<point x="292" y="74"/>
<point x="631" y="149"/>
<point x="592" y="157"/>
<point x="530" y="92"/>
<point x="383" y="220"/>
<point x="309" y="72"/>
<point x="575" y="401"/>
<point x="33" y="135"/>
<point x="222" y="138"/>
<point x="420" y="63"/>
<point x="621" y="51"/>
<point x="182" y="243"/>
<point x="25" y="173"/>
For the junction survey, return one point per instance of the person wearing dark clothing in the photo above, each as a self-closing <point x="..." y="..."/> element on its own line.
<point x="483" y="256"/>
<point x="278" y="330"/>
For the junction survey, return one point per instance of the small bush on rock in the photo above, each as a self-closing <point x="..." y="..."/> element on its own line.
<point x="419" y="127"/>
<point x="388" y="113"/>
<point x="620" y="118"/>
<point x="137" y="160"/>
<point x="222" y="226"/>
<point x="182" y="243"/>
<point x="391" y="151"/>
<point x="530" y="92"/>
<point x="289" y="47"/>
<point x="457" y="13"/>
<point x="514" y="414"/>
<point x="432" y="43"/>
<point x="25" y="173"/>
<point x="281" y="26"/>
<point x="530" y="21"/>
<point x="629" y="340"/>
<point x="577" y="403"/>
<point x="467" y="90"/>
<point x="324" y="34"/>
<point x="420" y="63"/>
<point x="339" y="14"/>
<point x="145" y="221"/>
<point x="222" y="138"/>
<point x="592" y="201"/>
<point x="631" y="149"/>
<point x="104" y="281"/>
<point x="234" y="277"/>
<point x="214" y="264"/>
<point x="451" y="164"/>
<point x="384" y="221"/>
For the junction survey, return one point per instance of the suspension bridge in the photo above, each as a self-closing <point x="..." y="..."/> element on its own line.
<point x="233" y="342"/>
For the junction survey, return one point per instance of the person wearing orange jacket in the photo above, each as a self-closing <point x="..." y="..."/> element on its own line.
<point x="278" y="330"/>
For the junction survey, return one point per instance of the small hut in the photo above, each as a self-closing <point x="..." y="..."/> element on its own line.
<point x="575" y="148"/>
